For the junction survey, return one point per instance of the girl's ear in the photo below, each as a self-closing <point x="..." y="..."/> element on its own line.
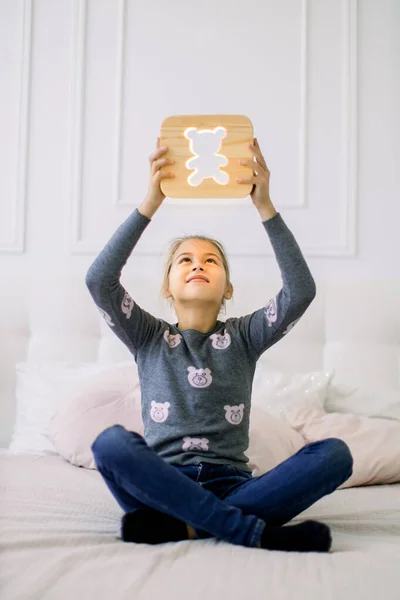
<point x="228" y="291"/>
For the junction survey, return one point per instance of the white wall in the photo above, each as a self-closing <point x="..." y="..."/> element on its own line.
<point x="86" y="84"/>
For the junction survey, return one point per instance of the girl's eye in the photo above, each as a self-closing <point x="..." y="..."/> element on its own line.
<point x="187" y="258"/>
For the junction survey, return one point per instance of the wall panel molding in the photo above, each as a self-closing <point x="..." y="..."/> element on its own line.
<point x="346" y="247"/>
<point x="18" y="227"/>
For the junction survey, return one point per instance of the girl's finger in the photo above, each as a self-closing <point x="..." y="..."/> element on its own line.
<point x="257" y="180"/>
<point x="161" y="174"/>
<point x="248" y="180"/>
<point x="255" y="166"/>
<point x="157" y="164"/>
<point x="258" y="154"/>
<point x="159" y="152"/>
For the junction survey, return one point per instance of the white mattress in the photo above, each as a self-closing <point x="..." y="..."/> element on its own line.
<point x="60" y="539"/>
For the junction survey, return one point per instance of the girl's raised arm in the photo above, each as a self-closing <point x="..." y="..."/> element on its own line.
<point x="267" y="325"/>
<point x="133" y="325"/>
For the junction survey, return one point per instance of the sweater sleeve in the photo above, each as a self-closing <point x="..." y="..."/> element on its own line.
<point x="267" y="325"/>
<point x="132" y="324"/>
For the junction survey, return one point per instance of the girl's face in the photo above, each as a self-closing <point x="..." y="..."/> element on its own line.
<point x="201" y="258"/>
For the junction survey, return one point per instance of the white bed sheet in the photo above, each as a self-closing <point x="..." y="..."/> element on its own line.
<point x="60" y="539"/>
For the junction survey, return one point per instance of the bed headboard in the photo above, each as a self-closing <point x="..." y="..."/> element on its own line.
<point x="352" y="326"/>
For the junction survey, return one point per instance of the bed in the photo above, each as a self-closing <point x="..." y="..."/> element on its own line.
<point x="60" y="525"/>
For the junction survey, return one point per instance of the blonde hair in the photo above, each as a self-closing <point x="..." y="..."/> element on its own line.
<point x="174" y="245"/>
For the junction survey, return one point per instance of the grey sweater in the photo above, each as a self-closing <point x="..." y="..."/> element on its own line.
<point x="196" y="387"/>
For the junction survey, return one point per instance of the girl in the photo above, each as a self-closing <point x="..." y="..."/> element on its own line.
<point x="188" y="478"/>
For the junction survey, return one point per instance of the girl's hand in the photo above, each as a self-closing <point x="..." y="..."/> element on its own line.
<point x="154" y="194"/>
<point x="260" y="192"/>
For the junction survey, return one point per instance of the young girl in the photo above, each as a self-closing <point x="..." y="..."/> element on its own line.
<point x="188" y="477"/>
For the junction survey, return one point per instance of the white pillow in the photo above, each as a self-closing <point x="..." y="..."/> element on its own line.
<point x="271" y="441"/>
<point x="273" y="391"/>
<point x="106" y="398"/>
<point x="392" y="411"/>
<point x="41" y="388"/>
<point x="374" y="443"/>
<point x="359" y="400"/>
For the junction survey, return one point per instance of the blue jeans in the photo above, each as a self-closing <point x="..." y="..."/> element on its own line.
<point x="219" y="500"/>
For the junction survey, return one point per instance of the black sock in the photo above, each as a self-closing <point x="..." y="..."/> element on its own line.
<point x="309" y="536"/>
<point x="149" y="526"/>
